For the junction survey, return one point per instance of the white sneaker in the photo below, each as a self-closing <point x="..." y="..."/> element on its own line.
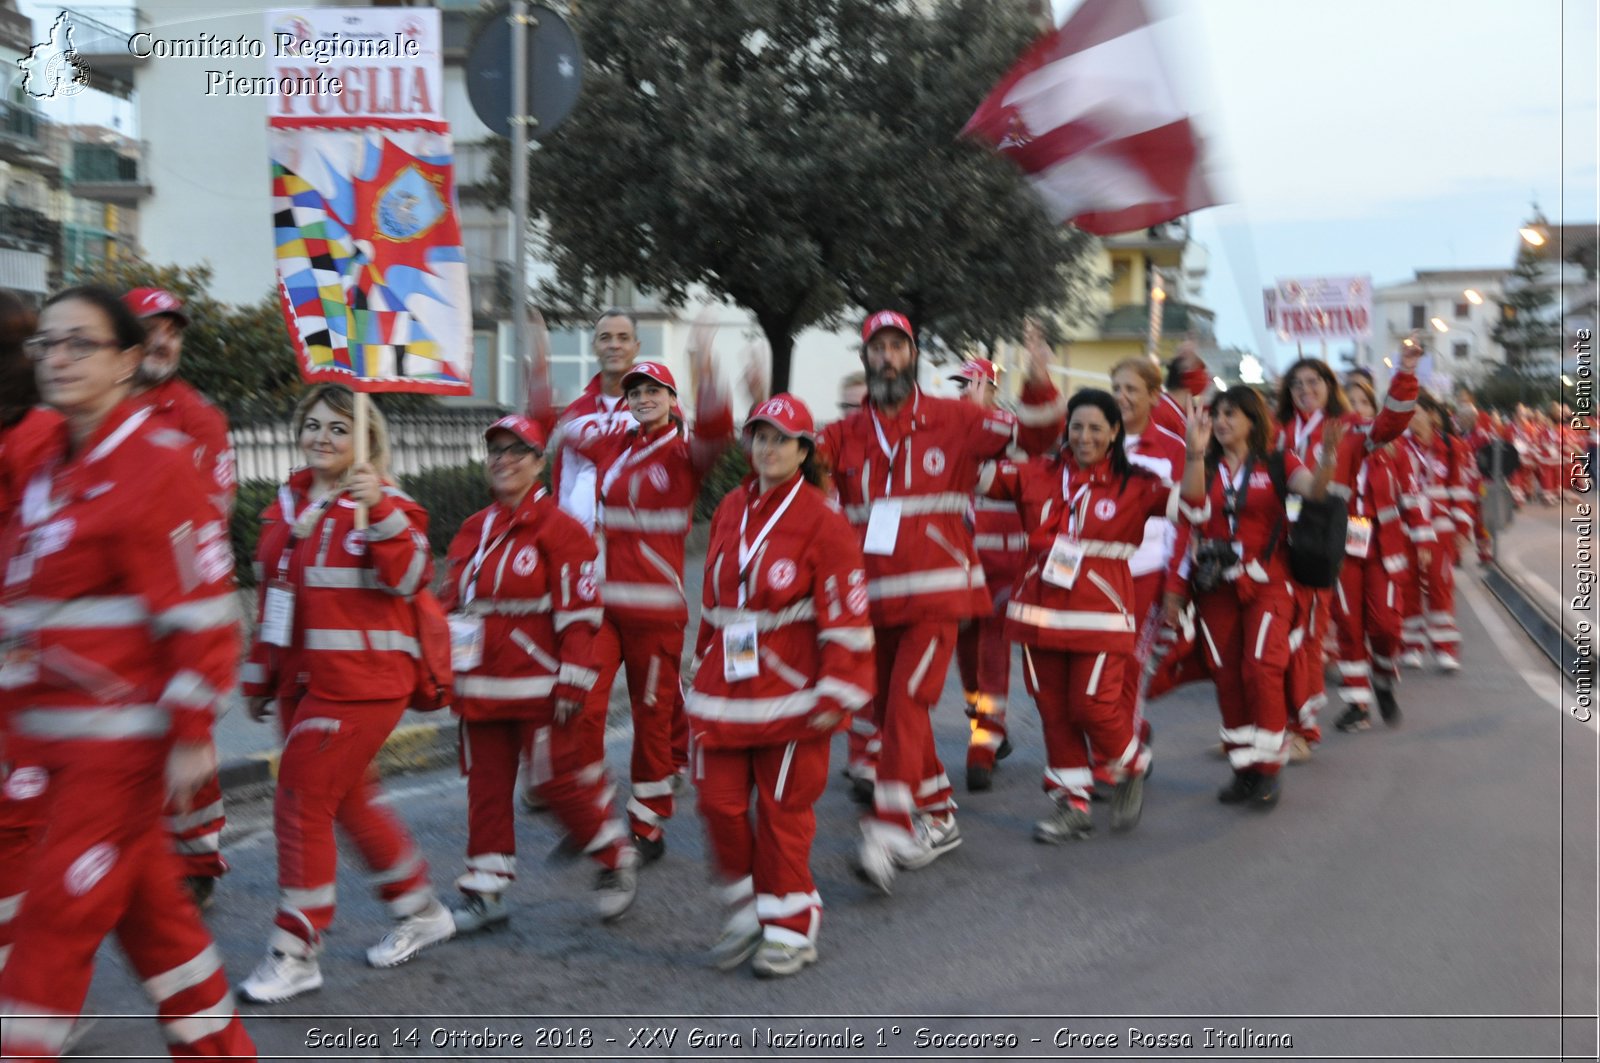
<point x="777" y="959"/>
<point x="615" y="889"/>
<point x="413" y="934"/>
<point x="739" y="940"/>
<point x="934" y="838"/>
<point x="875" y="864"/>
<point x="281" y="977"/>
<point x="1411" y="659"/>
<point x="479" y="911"/>
<point x="1448" y="662"/>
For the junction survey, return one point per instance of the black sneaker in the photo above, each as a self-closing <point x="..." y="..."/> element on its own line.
<point x="1354" y="718"/>
<point x="862" y="790"/>
<point x="650" y="849"/>
<point x="1388" y="708"/>
<point x="979" y="778"/>
<point x="1266" y="794"/>
<point x="1127" y="802"/>
<point x="1241" y="789"/>
<point x="201" y="888"/>
<point x="1004" y="751"/>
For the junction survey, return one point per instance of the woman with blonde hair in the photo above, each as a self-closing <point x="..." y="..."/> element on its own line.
<point x="335" y="651"/>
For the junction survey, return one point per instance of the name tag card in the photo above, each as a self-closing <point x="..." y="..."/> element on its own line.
<point x="1066" y="558"/>
<point x="1291" y="508"/>
<point x="883" y="527"/>
<point x="1358" y="537"/>
<point x="277" y="615"/>
<point x="466" y="642"/>
<point x="740" y="654"/>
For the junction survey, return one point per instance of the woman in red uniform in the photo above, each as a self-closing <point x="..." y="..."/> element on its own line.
<point x="649" y="479"/>
<point x="784" y="653"/>
<point x="1085" y="511"/>
<point x="117" y="642"/>
<point x="1440" y="458"/>
<point x="525" y="606"/>
<point x="1240" y="578"/>
<point x="335" y="652"/>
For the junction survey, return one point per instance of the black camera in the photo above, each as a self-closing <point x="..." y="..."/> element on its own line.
<point x="1212" y="557"/>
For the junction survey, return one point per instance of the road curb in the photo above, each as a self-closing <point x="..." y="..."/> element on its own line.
<point x="1547" y="632"/>
<point x="412" y="748"/>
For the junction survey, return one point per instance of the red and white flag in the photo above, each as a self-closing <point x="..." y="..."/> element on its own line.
<point x="1089" y="115"/>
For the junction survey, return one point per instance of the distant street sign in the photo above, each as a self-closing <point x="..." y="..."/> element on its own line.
<point x="555" y="71"/>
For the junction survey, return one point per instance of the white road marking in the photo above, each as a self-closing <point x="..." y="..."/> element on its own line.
<point x="1538" y="673"/>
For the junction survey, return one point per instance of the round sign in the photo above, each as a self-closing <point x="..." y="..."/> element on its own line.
<point x="555" y="71"/>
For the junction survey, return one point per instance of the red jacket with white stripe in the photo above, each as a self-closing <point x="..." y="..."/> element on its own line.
<point x="1103" y="513"/>
<point x="530" y="574"/>
<point x="806" y="592"/>
<point x="1413" y="506"/>
<point x="588" y="418"/>
<point x="1161" y="450"/>
<point x="182" y="407"/>
<point x="1441" y="468"/>
<point x="1304" y="437"/>
<point x="116" y="613"/>
<point x="1378" y="496"/>
<point x="927" y="462"/>
<point x="354" y="632"/>
<point x="648" y="486"/>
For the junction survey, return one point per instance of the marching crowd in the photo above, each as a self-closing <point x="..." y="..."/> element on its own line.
<point x="1128" y="540"/>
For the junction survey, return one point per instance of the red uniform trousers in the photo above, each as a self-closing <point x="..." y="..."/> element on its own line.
<point x="607" y="652"/>
<point x="650" y="656"/>
<point x="196" y="831"/>
<point x="1147" y="611"/>
<point x="22" y="820"/>
<point x="912" y="664"/>
<point x="325" y="776"/>
<point x="765" y="861"/>
<point x="103" y="865"/>
<point x="1245" y="646"/>
<point x="1366" y="614"/>
<point x="575" y="786"/>
<point x="1430" y="603"/>
<point x="983" y="657"/>
<point x="862" y="744"/>
<point x="1079" y="698"/>
<point x="1307" y="688"/>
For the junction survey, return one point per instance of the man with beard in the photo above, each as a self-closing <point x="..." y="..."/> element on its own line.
<point x="195" y="828"/>
<point x="905" y="467"/>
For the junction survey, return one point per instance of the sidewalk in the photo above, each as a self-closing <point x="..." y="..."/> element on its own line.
<point x="1540" y="553"/>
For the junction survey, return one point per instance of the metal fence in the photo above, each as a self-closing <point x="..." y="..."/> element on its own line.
<point x="417" y="440"/>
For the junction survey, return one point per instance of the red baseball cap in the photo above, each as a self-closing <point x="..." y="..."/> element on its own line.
<point x="980" y="369"/>
<point x="150" y="302"/>
<point x="886" y="319"/>
<point x="650" y="371"/>
<point x="787" y="414"/>
<point x="524" y="429"/>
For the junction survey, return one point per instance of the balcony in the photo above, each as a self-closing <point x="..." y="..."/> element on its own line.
<point x="103" y="173"/>
<point x="23" y="139"/>
<point x="1168" y="236"/>
<point x="1177" y="319"/>
<point x="25" y="229"/>
<point x="104" y="49"/>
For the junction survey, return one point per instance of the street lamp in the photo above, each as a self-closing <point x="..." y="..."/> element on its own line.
<point x="1531" y="236"/>
<point x="1439" y="325"/>
<point x="1472" y="296"/>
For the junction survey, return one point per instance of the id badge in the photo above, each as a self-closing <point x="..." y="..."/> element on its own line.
<point x="883" y="527"/>
<point x="466" y="642"/>
<point x="740" y="654"/>
<point x="1066" y="558"/>
<point x="19" y="663"/>
<point x="1358" y="537"/>
<point x="1291" y="508"/>
<point x="277" y="615"/>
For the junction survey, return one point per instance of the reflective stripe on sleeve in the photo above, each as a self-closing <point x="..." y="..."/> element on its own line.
<point x="100" y="723"/>
<point x="936" y="581"/>
<point x="915" y="506"/>
<point x="498" y="688"/>
<point x="1068" y="619"/>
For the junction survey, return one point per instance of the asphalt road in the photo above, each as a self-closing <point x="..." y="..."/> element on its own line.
<point x="1444" y="869"/>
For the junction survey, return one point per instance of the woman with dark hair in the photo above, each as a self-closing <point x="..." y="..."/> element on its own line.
<point x="1085" y="511"/>
<point x="119" y="575"/>
<point x="1240" y="578"/>
<point x="335" y="658"/>
<point x="784" y="654"/>
<point x="1440" y="458"/>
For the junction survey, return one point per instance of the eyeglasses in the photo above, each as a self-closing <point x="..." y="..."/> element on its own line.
<point x="513" y="450"/>
<point x="78" y="348"/>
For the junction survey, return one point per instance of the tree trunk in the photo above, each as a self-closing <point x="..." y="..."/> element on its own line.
<point x="781" y="340"/>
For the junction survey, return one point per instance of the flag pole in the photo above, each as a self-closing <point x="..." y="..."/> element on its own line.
<point x="520" y="21"/>
<point x="362" y="450"/>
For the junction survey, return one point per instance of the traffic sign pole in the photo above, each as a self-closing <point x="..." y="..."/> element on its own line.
<point x="519" y="176"/>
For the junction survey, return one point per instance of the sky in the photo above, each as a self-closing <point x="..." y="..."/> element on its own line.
<point x="1364" y="136"/>
<point x="1380" y="136"/>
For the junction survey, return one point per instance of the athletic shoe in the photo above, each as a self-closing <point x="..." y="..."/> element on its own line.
<point x="1069" y="822"/>
<point x="1411" y="659"/>
<point x="862" y="790"/>
<point x="979" y="778"/>
<point x="615" y="889"/>
<point x="1354" y="718"/>
<point x="479" y="911"/>
<point x="1388" y="707"/>
<point x="738" y="942"/>
<point x="1127" y="801"/>
<point x="1268" y="788"/>
<point x="1299" y="749"/>
<point x="201" y="889"/>
<point x="934" y="838"/>
<point x="875" y="864"/>
<point x="1448" y="662"/>
<point x="650" y="849"/>
<point x="413" y="934"/>
<point x="533" y="801"/>
<point x="1004" y="751"/>
<point x="281" y="977"/>
<point x="779" y="959"/>
<point x="1241" y="789"/>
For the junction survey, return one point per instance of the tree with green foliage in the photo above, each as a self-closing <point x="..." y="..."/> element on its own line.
<point x="800" y="159"/>
<point x="1525" y="327"/>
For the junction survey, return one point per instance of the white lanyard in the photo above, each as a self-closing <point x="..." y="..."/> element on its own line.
<point x="469" y="579"/>
<point x="883" y="445"/>
<point x="1302" y="435"/>
<point x="748" y="553"/>
<point x="633" y="457"/>
<point x="1361" y="487"/>
<point x="1235" y="489"/>
<point x="1074" y="520"/>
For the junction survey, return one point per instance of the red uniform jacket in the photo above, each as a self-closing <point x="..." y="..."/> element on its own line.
<point x="586" y="419"/>
<point x="805" y="589"/>
<point x="1449" y="502"/>
<point x="1378" y="496"/>
<point x="1161" y="451"/>
<point x="1104" y="514"/>
<point x="530" y="573"/>
<point x="648" y="487"/>
<point x="355" y="630"/>
<point x="926" y="459"/>
<point x="117" y="618"/>
<point x="181" y="407"/>
<point x="1260" y="513"/>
